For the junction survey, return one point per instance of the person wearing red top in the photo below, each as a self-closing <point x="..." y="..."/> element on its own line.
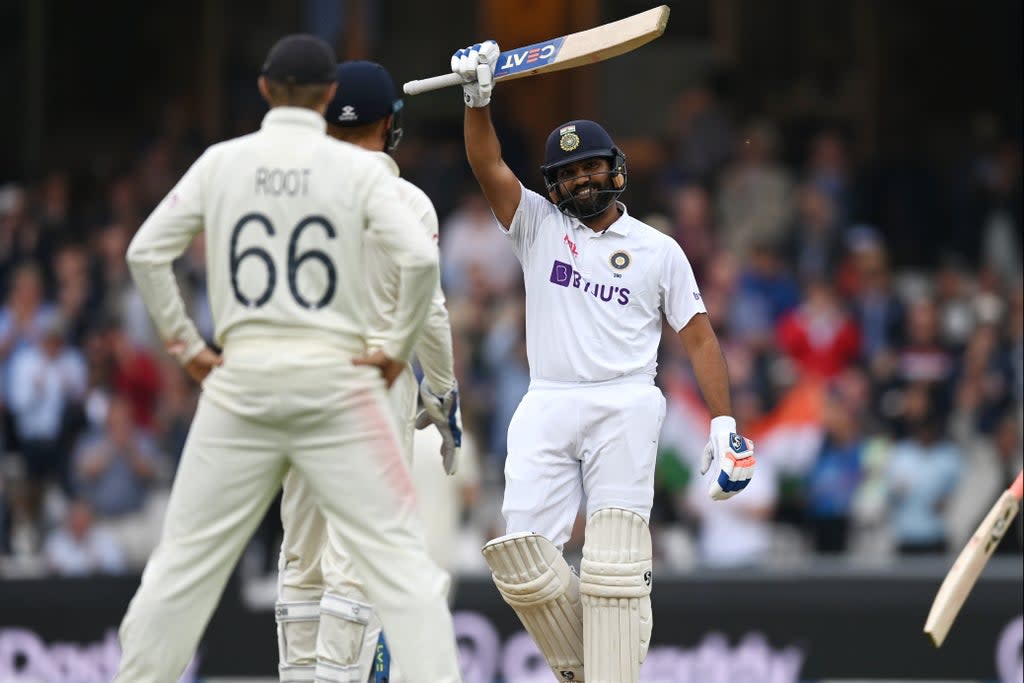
<point x="819" y="336"/>
<point x="136" y="376"/>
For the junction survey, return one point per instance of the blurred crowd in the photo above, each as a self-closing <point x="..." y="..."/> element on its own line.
<point x="878" y="366"/>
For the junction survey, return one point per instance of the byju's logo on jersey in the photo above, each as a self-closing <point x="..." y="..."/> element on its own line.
<point x="526" y="58"/>
<point x="563" y="275"/>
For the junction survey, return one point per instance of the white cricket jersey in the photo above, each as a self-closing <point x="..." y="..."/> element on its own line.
<point x="434" y="345"/>
<point x="287" y="212"/>
<point x="594" y="300"/>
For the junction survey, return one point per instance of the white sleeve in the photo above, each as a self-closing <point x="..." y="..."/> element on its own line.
<point x="163" y="238"/>
<point x="679" y="294"/>
<point x="530" y="213"/>
<point x="434" y="347"/>
<point x="395" y="228"/>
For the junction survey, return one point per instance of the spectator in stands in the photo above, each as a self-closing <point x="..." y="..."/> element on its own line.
<point x="693" y="226"/>
<point x="924" y="358"/>
<point x="924" y="472"/>
<point x="505" y="356"/>
<point x="75" y="293"/>
<point x="828" y="170"/>
<point x="79" y="548"/>
<point x="23" y="317"/>
<point x="814" y="242"/>
<point x="116" y="471"/>
<point x="819" y="336"/>
<point x="702" y="133"/>
<point x="766" y="292"/>
<point x="473" y="251"/>
<point x="867" y="284"/>
<point x="755" y="198"/>
<point x="836" y="475"/>
<point x="136" y="374"/>
<point x="47" y="386"/>
<point x="22" y="240"/>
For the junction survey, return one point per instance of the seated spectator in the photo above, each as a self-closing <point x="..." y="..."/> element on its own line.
<point x="79" y="548"/>
<point x="924" y="472"/>
<point x="115" y="471"/>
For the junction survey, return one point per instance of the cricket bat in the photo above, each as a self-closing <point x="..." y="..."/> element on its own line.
<point x="972" y="559"/>
<point x="565" y="52"/>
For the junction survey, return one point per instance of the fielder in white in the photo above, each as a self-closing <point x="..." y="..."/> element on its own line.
<point x="327" y="630"/>
<point x="288" y="215"/>
<point x="597" y="283"/>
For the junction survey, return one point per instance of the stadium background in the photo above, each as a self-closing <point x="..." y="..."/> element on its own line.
<point x="845" y="177"/>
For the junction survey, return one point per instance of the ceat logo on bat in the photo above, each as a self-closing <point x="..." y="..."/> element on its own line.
<point x="529" y="57"/>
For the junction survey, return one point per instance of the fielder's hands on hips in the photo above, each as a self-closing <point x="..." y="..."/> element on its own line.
<point x="199" y="365"/>
<point x="735" y="456"/>
<point x="443" y="412"/>
<point x="475" y="65"/>
<point x="389" y="368"/>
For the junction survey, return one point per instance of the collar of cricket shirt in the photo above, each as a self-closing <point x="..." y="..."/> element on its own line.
<point x="295" y="116"/>
<point x="619" y="227"/>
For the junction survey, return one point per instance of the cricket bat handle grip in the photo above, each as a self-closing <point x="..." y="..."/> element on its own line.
<point x="435" y="83"/>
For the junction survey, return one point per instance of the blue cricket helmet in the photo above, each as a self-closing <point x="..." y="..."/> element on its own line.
<point x="574" y="141"/>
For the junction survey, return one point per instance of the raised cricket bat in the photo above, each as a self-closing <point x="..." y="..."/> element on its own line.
<point x="972" y="559"/>
<point x="565" y="52"/>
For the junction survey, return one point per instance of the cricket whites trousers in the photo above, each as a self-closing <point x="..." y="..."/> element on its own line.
<point x="276" y="404"/>
<point x="314" y="562"/>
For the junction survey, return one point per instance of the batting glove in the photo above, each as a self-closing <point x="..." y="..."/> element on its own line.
<point x="735" y="456"/>
<point x="443" y="412"/>
<point x="475" y="65"/>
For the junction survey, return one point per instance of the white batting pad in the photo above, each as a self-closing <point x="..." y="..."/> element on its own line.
<point x="535" y="580"/>
<point x="342" y="624"/>
<point x="297" y="625"/>
<point x="615" y="588"/>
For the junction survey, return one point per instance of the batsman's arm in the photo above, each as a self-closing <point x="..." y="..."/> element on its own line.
<point x="708" y="364"/>
<point x="500" y="185"/>
<point x="163" y="237"/>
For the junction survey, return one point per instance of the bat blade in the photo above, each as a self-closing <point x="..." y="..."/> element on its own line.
<point x="565" y="52"/>
<point x="970" y="562"/>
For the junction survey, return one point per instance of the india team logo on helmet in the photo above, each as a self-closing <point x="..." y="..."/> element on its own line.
<point x="568" y="140"/>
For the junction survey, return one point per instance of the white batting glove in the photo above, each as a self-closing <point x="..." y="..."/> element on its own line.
<point x="735" y="456"/>
<point x="443" y="412"/>
<point x="475" y="65"/>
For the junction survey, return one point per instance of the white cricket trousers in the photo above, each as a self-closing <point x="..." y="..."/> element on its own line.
<point x="569" y="440"/>
<point x="271" y="406"/>
<point x="313" y="558"/>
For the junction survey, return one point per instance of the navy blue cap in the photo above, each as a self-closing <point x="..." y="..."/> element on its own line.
<point x="575" y="140"/>
<point x="300" y="59"/>
<point x="365" y="94"/>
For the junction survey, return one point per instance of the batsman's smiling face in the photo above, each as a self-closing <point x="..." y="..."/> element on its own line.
<point x="582" y="179"/>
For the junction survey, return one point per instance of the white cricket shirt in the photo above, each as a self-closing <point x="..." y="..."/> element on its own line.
<point x="287" y="212"/>
<point x="594" y="301"/>
<point x="434" y="345"/>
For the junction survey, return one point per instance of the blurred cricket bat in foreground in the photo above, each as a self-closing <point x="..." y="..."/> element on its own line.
<point x="565" y="52"/>
<point x="972" y="559"/>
